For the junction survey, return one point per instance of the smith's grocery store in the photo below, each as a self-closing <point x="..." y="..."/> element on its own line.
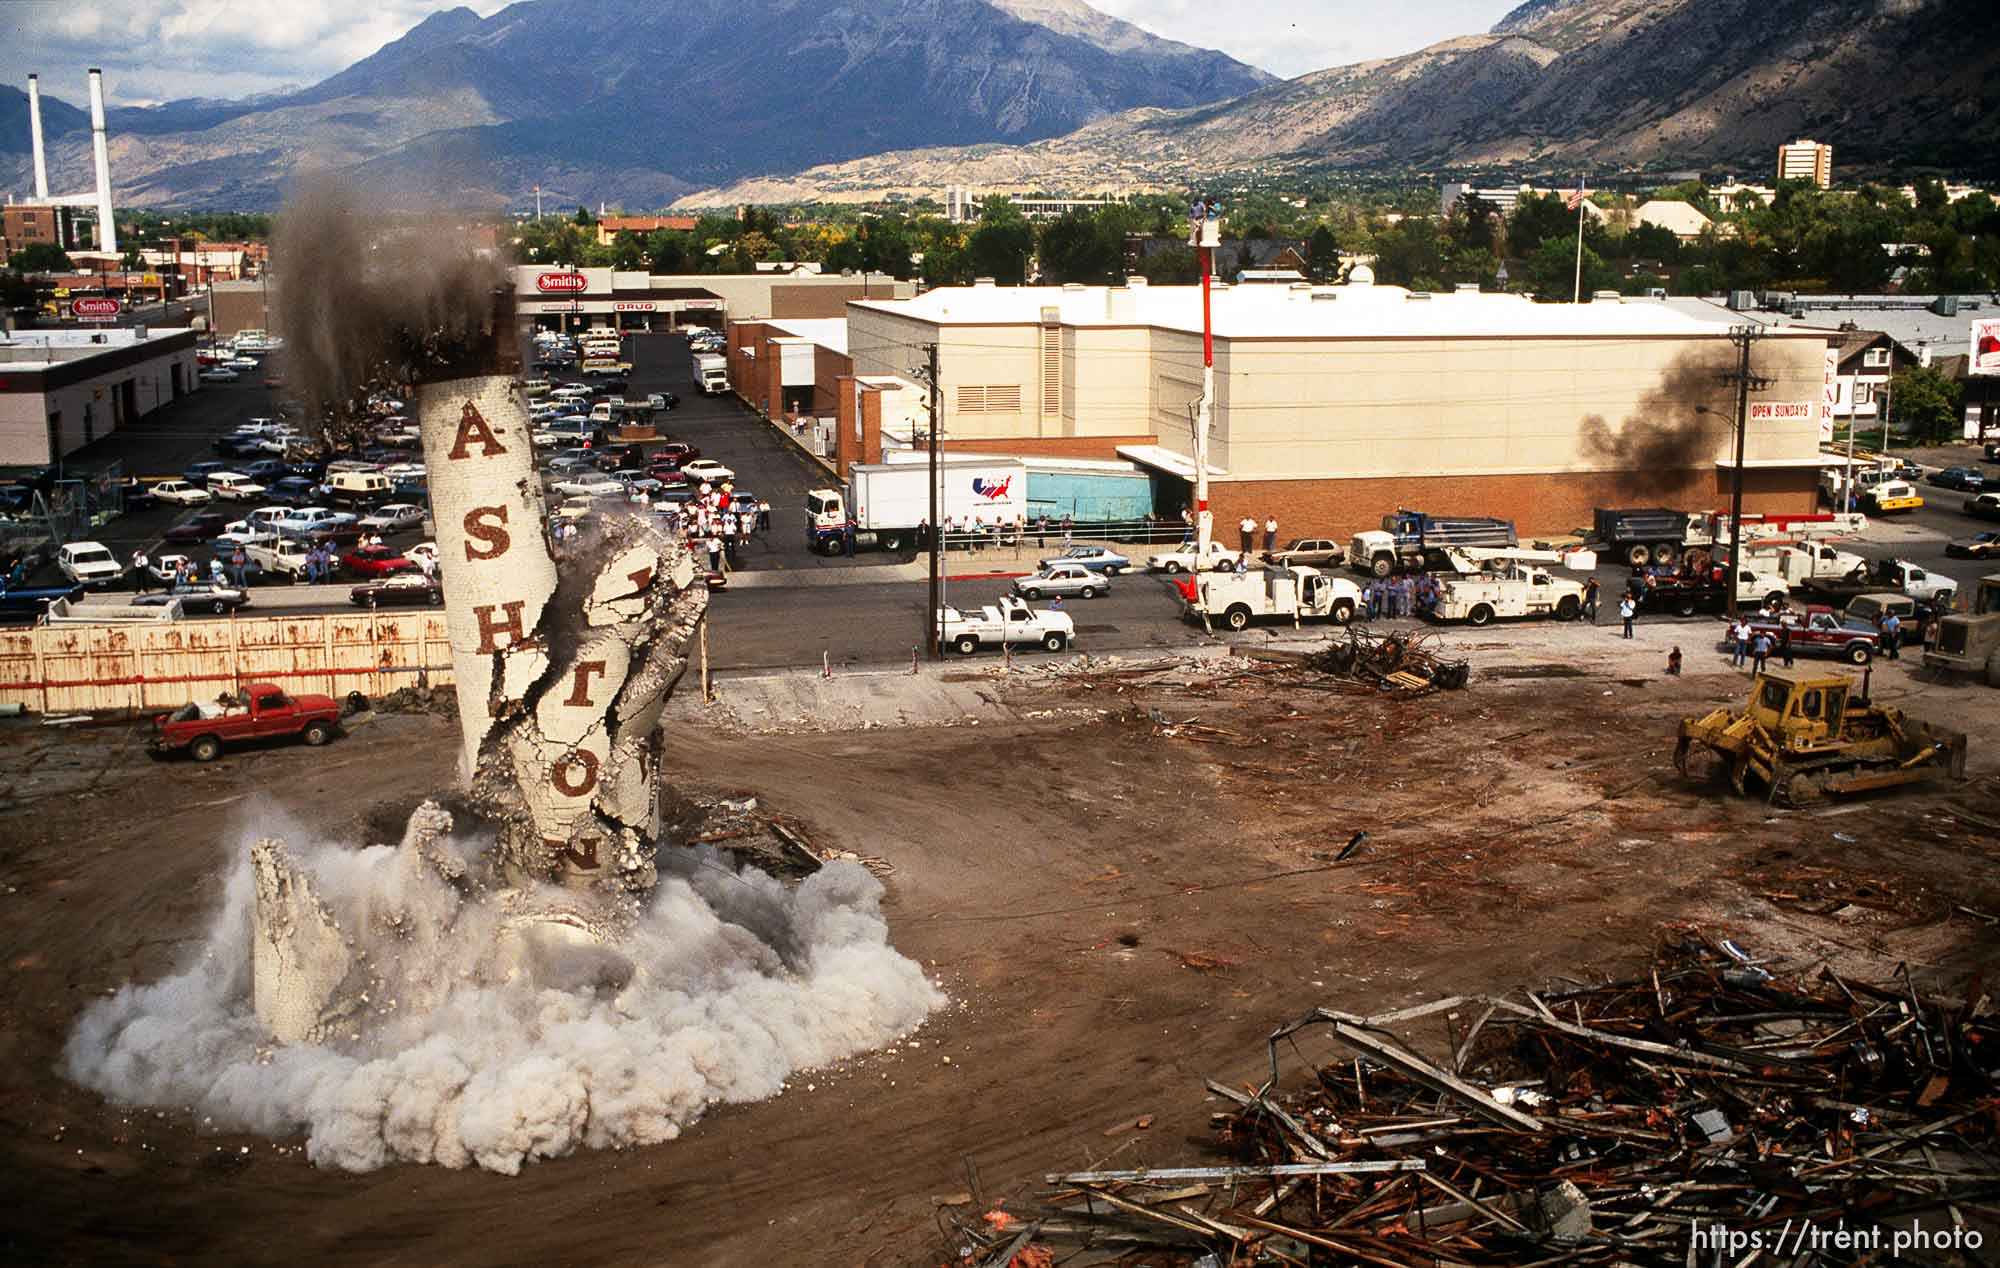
<point x="582" y="299"/>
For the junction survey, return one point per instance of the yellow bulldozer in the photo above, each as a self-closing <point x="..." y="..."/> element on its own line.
<point x="1806" y="736"/>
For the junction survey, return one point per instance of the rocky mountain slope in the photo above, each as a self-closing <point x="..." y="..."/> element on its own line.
<point x="1593" y="83"/>
<point x="634" y="100"/>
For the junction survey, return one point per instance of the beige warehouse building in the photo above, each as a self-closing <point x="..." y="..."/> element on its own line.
<point x="1337" y="404"/>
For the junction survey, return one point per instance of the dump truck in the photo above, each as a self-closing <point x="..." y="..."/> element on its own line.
<point x="1807" y="735"/>
<point x="1410" y="541"/>
<point x="1969" y="642"/>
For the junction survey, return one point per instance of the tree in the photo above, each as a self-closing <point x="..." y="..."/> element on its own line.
<point x="583" y="216"/>
<point x="1928" y="404"/>
<point x="1538" y="218"/>
<point x="1322" y="255"/>
<point x="1083" y="247"/>
<point x="1411" y="254"/>
<point x="1000" y="251"/>
<point x="1175" y="266"/>
<point x="627" y="252"/>
<point x="1551" y="272"/>
<point x="42" y="257"/>
<point x="670" y="251"/>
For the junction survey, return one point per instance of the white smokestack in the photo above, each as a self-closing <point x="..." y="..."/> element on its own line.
<point x="107" y="227"/>
<point x="35" y="137"/>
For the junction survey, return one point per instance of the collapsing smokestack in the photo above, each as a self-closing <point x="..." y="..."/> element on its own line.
<point x="35" y="137"/>
<point x="107" y="226"/>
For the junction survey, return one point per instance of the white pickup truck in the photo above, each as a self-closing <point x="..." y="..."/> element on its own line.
<point x="1011" y="621"/>
<point x="286" y="555"/>
<point x="1519" y="590"/>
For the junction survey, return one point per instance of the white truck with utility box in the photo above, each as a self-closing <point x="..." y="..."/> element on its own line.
<point x="711" y="373"/>
<point x="1494" y="584"/>
<point x="1011" y="622"/>
<point x="1298" y="593"/>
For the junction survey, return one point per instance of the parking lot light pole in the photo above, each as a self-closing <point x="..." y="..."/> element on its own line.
<point x="1205" y="230"/>
<point x="1741" y="378"/>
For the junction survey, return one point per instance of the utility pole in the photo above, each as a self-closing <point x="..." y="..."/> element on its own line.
<point x="933" y="540"/>
<point x="1205" y="231"/>
<point x="1744" y="382"/>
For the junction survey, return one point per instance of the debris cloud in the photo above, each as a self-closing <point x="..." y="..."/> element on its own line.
<point x="727" y="984"/>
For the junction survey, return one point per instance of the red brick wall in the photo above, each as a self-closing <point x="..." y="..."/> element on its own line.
<point x="746" y="375"/>
<point x="823" y="300"/>
<point x="1049" y="446"/>
<point x="1538" y="504"/>
<point x="847" y="450"/>
<point x="829" y="367"/>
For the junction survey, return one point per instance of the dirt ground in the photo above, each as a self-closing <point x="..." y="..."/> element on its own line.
<point x="1118" y="906"/>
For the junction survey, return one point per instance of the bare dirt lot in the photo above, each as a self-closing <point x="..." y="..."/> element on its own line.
<point x="1118" y="906"/>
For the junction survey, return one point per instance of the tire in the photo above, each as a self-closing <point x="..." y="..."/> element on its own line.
<point x="437" y="598"/>
<point x="1480" y="615"/>
<point x="1568" y="608"/>
<point x="1172" y="567"/>
<point x="1686" y="607"/>
<point x="1943" y="599"/>
<point x="206" y="748"/>
<point x="1113" y="571"/>
<point x="1237" y="617"/>
<point x="1223" y="565"/>
<point x="1859" y="654"/>
<point x="965" y="645"/>
<point x="1638" y="554"/>
<point x="891" y="541"/>
<point x="1053" y="643"/>
<point x="1088" y="592"/>
<point x="1665" y="554"/>
<point x="1343" y="612"/>
<point x="1775" y="597"/>
<point x="1382" y="566"/>
<point x="316" y="734"/>
<point x="218" y="607"/>
<point x="1032" y="592"/>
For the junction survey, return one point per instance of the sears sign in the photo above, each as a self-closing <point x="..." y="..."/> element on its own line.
<point x="95" y="309"/>
<point x="561" y="283"/>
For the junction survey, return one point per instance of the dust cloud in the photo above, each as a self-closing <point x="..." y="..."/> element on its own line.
<point x="361" y="295"/>
<point x="728" y="984"/>
<point x="1653" y="450"/>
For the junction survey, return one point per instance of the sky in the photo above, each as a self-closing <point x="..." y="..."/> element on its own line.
<point x="157" y="50"/>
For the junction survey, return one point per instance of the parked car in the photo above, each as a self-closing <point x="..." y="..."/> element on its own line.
<point x="293" y="491"/>
<point x="244" y="533"/>
<point x="1978" y="546"/>
<point x="239" y="444"/>
<point x="1824" y="634"/>
<point x="1182" y="559"/>
<point x="218" y="374"/>
<point x="1095" y="558"/>
<point x="377" y="561"/>
<point x="620" y="457"/>
<point x="1318" y="552"/>
<point x="197" y="596"/>
<point x="307" y="520"/>
<point x="707" y="470"/>
<point x="33" y="601"/>
<point x="1062" y="579"/>
<point x="264" y="711"/>
<point x="1965" y="479"/>
<point x="265" y="470"/>
<point x="404" y="589"/>
<point x="588" y="484"/>
<point x="392" y="517"/>
<point x="197" y="528"/>
<point x="1984" y="507"/>
<point x="234" y="486"/>
<point x="88" y="564"/>
<point x="197" y="473"/>
<point x="179" y="493"/>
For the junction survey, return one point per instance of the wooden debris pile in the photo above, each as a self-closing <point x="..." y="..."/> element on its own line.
<point x="1707" y="1111"/>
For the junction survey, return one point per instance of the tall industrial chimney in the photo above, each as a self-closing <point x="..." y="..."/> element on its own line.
<point x="35" y="137"/>
<point x="107" y="227"/>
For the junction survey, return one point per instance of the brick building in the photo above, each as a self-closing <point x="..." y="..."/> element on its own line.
<point x="62" y="389"/>
<point x="1337" y="404"/>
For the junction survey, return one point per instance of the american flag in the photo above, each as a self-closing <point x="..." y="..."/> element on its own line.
<point x="1575" y="200"/>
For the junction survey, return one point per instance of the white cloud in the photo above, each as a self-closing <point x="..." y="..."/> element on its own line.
<point x="153" y="50"/>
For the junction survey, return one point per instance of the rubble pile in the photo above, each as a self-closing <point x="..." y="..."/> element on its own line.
<point x="1402" y="664"/>
<point x="1704" y="1111"/>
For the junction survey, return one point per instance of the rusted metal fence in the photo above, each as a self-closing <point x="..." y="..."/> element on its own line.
<point x="71" y="668"/>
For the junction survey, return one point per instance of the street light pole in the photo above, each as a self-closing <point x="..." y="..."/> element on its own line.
<point x="935" y="537"/>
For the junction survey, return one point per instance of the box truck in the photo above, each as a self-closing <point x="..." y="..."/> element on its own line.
<point x="887" y="505"/>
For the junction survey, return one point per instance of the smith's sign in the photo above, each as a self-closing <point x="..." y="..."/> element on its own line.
<point x="565" y="283"/>
<point x="95" y="307"/>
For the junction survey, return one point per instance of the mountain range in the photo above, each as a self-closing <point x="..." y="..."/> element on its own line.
<point x="722" y="101"/>
<point x="1555" y="85"/>
<point x="635" y="101"/>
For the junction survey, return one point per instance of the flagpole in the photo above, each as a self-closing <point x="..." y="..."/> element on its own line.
<point x="1576" y="296"/>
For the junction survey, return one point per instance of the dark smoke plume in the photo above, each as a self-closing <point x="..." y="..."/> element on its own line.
<point x="1653" y="449"/>
<point x="366" y="299"/>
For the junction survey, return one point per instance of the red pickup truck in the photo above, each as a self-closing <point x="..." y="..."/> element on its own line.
<point x="1824" y="634"/>
<point x="262" y="711"/>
